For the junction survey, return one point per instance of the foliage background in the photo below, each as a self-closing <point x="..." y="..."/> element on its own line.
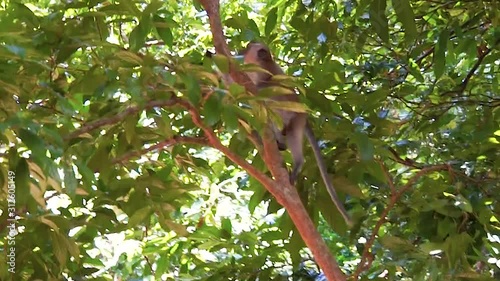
<point x="403" y="95"/>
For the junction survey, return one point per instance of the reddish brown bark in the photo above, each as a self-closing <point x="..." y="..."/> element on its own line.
<point x="280" y="187"/>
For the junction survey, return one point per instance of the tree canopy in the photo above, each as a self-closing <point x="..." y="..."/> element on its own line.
<point x="125" y="156"/>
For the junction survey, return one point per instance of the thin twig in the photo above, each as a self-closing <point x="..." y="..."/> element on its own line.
<point x="168" y="142"/>
<point x="366" y="261"/>
<point x="119" y="117"/>
<point x="387" y="176"/>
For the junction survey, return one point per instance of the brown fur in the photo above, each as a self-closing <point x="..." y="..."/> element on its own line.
<point x="294" y="123"/>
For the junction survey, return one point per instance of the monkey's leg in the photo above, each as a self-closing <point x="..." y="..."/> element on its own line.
<point x="281" y="146"/>
<point x="280" y="138"/>
<point x="294" y="139"/>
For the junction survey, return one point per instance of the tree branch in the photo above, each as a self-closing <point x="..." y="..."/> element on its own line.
<point x="281" y="189"/>
<point x="479" y="61"/>
<point x="387" y="176"/>
<point x="214" y="141"/>
<point x="119" y="117"/>
<point x="407" y="162"/>
<point x="160" y="145"/>
<point x="367" y="256"/>
<point x="212" y="8"/>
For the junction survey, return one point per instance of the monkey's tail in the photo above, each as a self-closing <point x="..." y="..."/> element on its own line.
<point x="324" y="174"/>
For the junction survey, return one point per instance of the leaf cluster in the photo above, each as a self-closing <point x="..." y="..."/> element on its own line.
<point x="96" y="119"/>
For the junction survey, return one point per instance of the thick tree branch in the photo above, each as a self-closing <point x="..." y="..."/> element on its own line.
<point x="281" y="189"/>
<point x="221" y="48"/>
<point x="273" y="158"/>
<point x="367" y="256"/>
<point x="297" y="211"/>
<point x="214" y="142"/>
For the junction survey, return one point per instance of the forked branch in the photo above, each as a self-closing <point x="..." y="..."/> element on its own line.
<point x="285" y="194"/>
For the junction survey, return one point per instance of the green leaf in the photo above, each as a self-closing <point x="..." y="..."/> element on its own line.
<point x="288" y="106"/>
<point x="164" y="124"/>
<point x="222" y="62"/>
<point x="139" y="216"/>
<point x="25" y="14"/>
<point x="360" y="41"/>
<point x="271" y="20"/>
<point x="100" y="158"/>
<point x="165" y="35"/>
<point x="9" y="88"/>
<point x="230" y="118"/>
<point x="226" y="228"/>
<point x="254" y="68"/>
<point x="236" y="90"/>
<point x="162" y="265"/>
<point x="319" y="101"/>
<point x="137" y="37"/>
<point x="209" y="77"/>
<point x="273" y="91"/>
<point x="344" y="185"/>
<point x="298" y="24"/>
<point x="129" y="6"/>
<point x="163" y="27"/>
<point x="251" y="30"/>
<point x="153" y="6"/>
<point x="361" y="7"/>
<point x="193" y="89"/>
<point x="129" y="124"/>
<point x="365" y="146"/>
<point x="461" y="202"/>
<point x="272" y="235"/>
<point x="374" y="99"/>
<point x="257" y="197"/>
<point x="294" y="246"/>
<point x="396" y="244"/>
<point x="33" y="142"/>
<point x="179" y="229"/>
<point x="330" y="213"/>
<point x="90" y="82"/>
<point x="415" y="71"/>
<point x="129" y="57"/>
<point x="22" y="181"/>
<point x="439" y="53"/>
<point x="70" y="181"/>
<point x="234" y="22"/>
<point x="212" y="110"/>
<point x="379" y="20"/>
<point x="457" y="246"/>
<point x="405" y="15"/>
<point x="49" y="223"/>
<point x="373" y="169"/>
<point x="52" y="172"/>
<point x="326" y="27"/>
<point x="59" y="248"/>
<point x="65" y="52"/>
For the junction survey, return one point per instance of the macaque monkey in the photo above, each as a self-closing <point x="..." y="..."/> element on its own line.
<point x="294" y="123"/>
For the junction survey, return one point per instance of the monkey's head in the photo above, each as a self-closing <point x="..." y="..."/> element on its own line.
<point x="257" y="53"/>
<point x="260" y="55"/>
